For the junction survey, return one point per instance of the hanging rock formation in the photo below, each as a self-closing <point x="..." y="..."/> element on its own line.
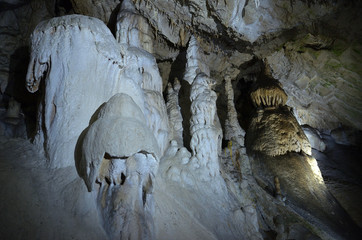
<point x="132" y="28"/>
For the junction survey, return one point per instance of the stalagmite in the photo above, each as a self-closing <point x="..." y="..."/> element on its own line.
<point x="132" y="28"/>
<point x="233" y="131"/>
<point x="205" y="134"/>
<point x="174" y="112"/>
<point x="96" y="153"/>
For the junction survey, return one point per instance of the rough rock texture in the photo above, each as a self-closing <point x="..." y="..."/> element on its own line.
<point x="303" y="190"/>
<point x="315" y="139"/>
<point x="322" y="78"/>
<point x="63" y="66"/>
<point x="273" y="129"/>
<point x="276" y="132"/>
<point x="99" y="9"/>
<point x="278" y="148"/>
<point x="174" y="112"/>
<point x="132" y="28"/>
<point x="205" y="130"/>
<point x="244" y="19"/>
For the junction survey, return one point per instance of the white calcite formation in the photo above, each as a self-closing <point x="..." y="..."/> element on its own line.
<point x="126" y="135"/>
<point x="66" y="67"/>
<point x="157" y="118"/>
<point x="195" y="61"/>
<point x="132" y="28"/>
<point x="121" y="154"/>
<point x="206" y="133"/>
<point x="119" y="132"/>
<point x="174" y="111"/>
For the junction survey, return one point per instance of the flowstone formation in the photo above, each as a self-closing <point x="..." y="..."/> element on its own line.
<point x="109" y="151"/>
<point x="124" y="167"/>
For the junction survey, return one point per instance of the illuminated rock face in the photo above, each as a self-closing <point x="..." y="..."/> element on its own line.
<point x="174" y="112"/>
<point x="277" y="132"/>
<point x="121" y="147"/>
<point x="68" y="75"/>
<point x="66" y="67"/>
<point x="273" y="129"/>
<point x="132" y="28"/>
<point x="281" y="159"/>
<point x="121" y="154"/>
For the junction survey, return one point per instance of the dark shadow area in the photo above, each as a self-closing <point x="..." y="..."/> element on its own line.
<point x="303" y="193"/>
<point x="242" y="100"/>
<point x="249" y="73"/>
<point x="62" y="7"/>
<point x="185" y="104"/>
<point x="79" y="144"/>
<point x="16" y="89"/>
<point x="177" y="71"/>
<point x="222" y="108"/>
<point x="113" y="20"/>
<point x="178" y="66"/>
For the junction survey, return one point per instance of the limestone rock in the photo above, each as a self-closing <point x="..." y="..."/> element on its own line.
<point x="174" y="112"/>
<point x="99" y="9"/>
<point x="115" y="135"/>
<point x="248" y="20"/>
<point x="233" y="131"/>
<point x="67" y="67"/>
<point x="315" y="138"/>
<point x="322" y="80"/>
<point x="276" y="132"/>
<point x="195" y="61"/>
<point x="206" y="133"/>
<point x="132" y="28"/>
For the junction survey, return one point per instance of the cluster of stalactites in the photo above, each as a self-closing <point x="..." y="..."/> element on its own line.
<point x="268" y="94"/>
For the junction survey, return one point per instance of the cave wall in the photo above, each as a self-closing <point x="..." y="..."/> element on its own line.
<point x="149" y="102"/>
